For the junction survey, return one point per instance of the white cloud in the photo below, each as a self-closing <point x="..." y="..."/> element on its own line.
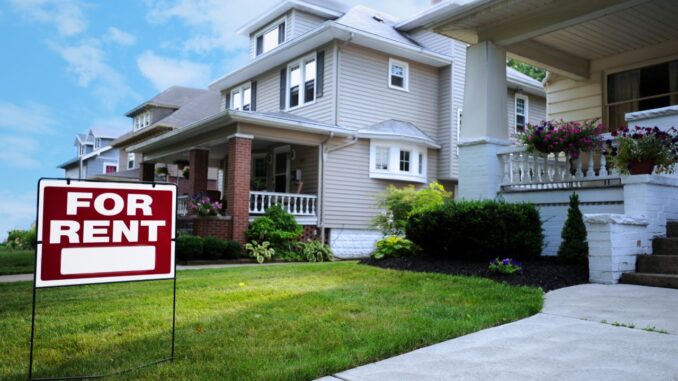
<point x="164" y="72"/>
<point x="19" y="152"/>
<point x="16" y="211"/>
<point x="31" y="118"/>
<point x="65" y="15"/>
<point x="117" y="36"/>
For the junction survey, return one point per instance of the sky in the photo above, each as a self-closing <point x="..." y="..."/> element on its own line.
<point x="71" y="65"/>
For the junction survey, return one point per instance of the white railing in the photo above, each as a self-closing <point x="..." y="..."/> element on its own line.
<point x="537" y="171"/>
<point x="296" y="204"/>
<point x="182" y="205"/>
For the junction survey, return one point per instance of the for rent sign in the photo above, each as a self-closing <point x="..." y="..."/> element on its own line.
<point x="99" y="232"/>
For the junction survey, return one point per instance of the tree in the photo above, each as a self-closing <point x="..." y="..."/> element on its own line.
<point x="527" y="69"/>
<point x="574" y="247"/>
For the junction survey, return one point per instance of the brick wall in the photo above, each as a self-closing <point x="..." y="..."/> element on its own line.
<point x="197" y="175"/>
<point x="238" y="187"/>
<point x="212" y="227"/>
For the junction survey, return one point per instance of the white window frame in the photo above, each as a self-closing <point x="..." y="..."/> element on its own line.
<point x="268" y="28"/>
<point x="302" y="81"/>
<point x="131" y="157"/>
<point x="409" y="161"/>
<point x="417" y="152"/>
<point x="142" y="120"/>
<point x="406" y="75"/>
<point x="240" y="93"/>
<point x="109" y="164"/>
<point x="388" y="158"/>
<point x="526" y="99"/>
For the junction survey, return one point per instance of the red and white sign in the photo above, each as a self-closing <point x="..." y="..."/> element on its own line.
<point x="100" y="232"/>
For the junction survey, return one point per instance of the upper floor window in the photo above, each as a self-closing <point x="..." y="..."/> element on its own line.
<point x="130" y="160"/>
<point x="142" y="120"/>
<point x="521" y="112"/>
<point x="82" y="149"/>
<point x="97" y="143"/>
<point x="270" y="37"/>
<point x="241" y="98"/>
<point x="399" y="73"/>
<point x="301" y="82"/>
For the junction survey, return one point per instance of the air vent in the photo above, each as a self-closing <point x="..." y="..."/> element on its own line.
<point x="378" y="18"/>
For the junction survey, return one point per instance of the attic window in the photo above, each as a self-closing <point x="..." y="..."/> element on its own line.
<point x="270" y="37"/>
<point x="378" y="18"/>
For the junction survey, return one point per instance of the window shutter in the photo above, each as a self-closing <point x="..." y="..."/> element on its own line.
<point x="227" y="101"/>
<point x="283" y="87"/>
<point x="281" y="33"/>
<point x="260" y="45"/>
<point x="253" y="102"/>
<point x="320" y="73"/>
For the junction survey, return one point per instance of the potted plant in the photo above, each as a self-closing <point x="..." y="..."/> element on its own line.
<point x="643" y="150"/>
<point x="201" y="205"/>
<point x="559" y="136"/>
<point x="162" y="171"/>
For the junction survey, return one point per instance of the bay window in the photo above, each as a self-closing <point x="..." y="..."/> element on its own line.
<point x="394" y="160"/>
<point x="301" y="82"/>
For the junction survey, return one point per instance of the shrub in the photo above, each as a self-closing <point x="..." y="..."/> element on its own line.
<point x="232" y="250"/>
<point x="261" y="251"/>
<point x="506" y="266"/>
<point x="315" y="251"/>
<point x="189" y="247"/>
<point x="399" y="203"/>
<point x="277" y="227"/>
<point x="21" y="239"/>
<point x="574" y="247"/>
<point x="478" y="230"/>
<point x="394" y="246"/>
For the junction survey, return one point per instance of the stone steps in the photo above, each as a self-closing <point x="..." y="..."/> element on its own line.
<point x="665" y="246"/>
<point x="672" y="229"/>
<point x="661" y="268"/>
<point x="657" y="264"/>
<point x="651" y="279"/>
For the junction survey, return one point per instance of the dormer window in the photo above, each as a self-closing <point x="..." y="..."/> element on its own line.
<point x="142" y="120"/>
<point x="241" y="98"/>
<point x="270" y="37"/>
<point x="82" y="149"/>
<point x="97" y="143"/>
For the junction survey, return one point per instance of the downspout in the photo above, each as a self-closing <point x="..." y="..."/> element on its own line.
<point x="323" y="157"/>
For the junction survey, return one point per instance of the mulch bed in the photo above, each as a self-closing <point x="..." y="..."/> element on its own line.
<point x="547" y="273"/>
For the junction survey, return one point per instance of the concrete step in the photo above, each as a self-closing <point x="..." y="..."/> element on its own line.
<point x="672" y="229"/>
<point x="650" y="279"/>
<point x="658" y="264"/>
<point x="665" y="246"/>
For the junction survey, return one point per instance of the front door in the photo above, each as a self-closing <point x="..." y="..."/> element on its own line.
<point x="282" y="169"/>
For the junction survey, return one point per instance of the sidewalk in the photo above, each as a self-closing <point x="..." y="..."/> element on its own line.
<point x="577" y="336"/>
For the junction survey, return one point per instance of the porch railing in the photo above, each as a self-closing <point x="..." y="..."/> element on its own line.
<point x="182" y="205"/>
<point x="296" y="204"/>
<point x="537" y="171"/>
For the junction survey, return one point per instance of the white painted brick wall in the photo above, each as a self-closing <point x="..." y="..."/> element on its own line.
<point x="353" y="243"/>
<point x="652" y="196"/>
<point x="480" y="169"/>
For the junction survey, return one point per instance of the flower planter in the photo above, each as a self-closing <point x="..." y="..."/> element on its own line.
<point x="641" y="168"/>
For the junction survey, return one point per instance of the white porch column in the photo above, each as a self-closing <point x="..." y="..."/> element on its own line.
<point x="484" y="123"/>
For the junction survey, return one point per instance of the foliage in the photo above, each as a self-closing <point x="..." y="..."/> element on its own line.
<point x="16" y="261"/>
<point x="505" y="266"/>
<point x="644" y="144"/>
<point x="394" y="246"/>
<point x="399" y="203"/>
<point x="162" y="171"/>
<point x="215" y="248"/>
<point x="21" y="239"/>
<point x="558" y="136"/>
<point x="261" y="251"/>
<point x="201" y="205"/>
<point x="574" y="247"/>
<point x="527" y="69"/>
<point x="478" y="230"/>
<point x="315" y="251"/>
<point x="188" y="247"/>
<point x="278" y="227"/>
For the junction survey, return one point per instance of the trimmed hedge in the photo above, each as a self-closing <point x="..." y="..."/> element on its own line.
<point x="478" y="230"/>
<point x="189" y="247"/>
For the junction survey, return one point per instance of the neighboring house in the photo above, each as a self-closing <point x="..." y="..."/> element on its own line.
<point x="173" y="108"/>
<point x="614" y="60"/>
<point x="335" y="104"/>
<point x="94" y="155"/>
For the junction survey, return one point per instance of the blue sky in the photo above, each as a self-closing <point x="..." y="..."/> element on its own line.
<point x="70" y="65"/>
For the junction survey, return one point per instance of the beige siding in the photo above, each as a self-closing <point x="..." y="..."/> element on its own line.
<point x="302" y="22"/>
<point x="350" y="194"/>
<point x="433" y="41"/>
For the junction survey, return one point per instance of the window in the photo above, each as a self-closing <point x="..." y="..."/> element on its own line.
<point x="421" y="164"/>
<point x="241" y="98"/>
<point x="521" y="112"/>
<point x="398" y="75"/>
<point x="130" y="160"/>
<point x="82" y="149"/>
<point x="404" y="161"/>
<point x="110" y="168"/>
<point x="259" y="171"/>
<point x="270" y="37"/>
<point x="301" y="82"/>
<point x="382" y="158"/>
<point x="142" y="120"/>
<point x="645" y="88"/>
<point x="97" y="143"/>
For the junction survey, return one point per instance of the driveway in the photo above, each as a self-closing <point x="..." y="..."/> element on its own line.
<point x="586" y="332"/>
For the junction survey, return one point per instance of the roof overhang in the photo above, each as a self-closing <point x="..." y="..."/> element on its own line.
<point x="146" y="105"/>
<point x="528" y="86"/>
<point x="69" y="163"/>
<point x="398" y="137"/>
<point x="283" y="7"/>
<point x="326" y="33"/>
<point x="142" y="134"/>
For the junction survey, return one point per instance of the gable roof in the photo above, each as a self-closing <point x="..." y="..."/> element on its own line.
<point x="174" y="97"/>
<point x="518" y="80"/>
<point x="397" y="130"/>
<point x="324" y="8"/>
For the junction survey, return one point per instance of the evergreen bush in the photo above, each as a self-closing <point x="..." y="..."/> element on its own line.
<point x="574" y="248"/>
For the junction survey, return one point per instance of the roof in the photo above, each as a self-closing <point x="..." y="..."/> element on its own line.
<point x="398" y="130"/>
<point x="201" y="106"/>
<point x="126" y="175"/>
<point x="69" y="163"/>
<point x="374" y="22"/>
<point x="516" y="79"/>
<point x="323" y="8"/>
<point x="105" y="132"/>
<point x="174" y="97"/>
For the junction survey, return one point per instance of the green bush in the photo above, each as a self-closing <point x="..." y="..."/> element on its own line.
<point x="213" y="248"/>
<point x="394" y="246"/>
<point x="315" y="251"/>
<point x="277" y="227"/>
<point x="21" y="239"/>
<point x="189" y="247"/>
<point x="232" y="250"/>
<point x="478" y="230"/>
<point x="399" y="203"/>
<point x="574" y="248"/>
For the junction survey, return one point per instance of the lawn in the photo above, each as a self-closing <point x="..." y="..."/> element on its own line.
<point x="291" y="322"/>
<point x="16" y="261"/>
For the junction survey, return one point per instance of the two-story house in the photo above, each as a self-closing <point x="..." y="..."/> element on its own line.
<point x="334" y="105"/>
<point x="94" y="155"/>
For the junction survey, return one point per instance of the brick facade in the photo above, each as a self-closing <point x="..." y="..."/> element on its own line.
<point x="238" y="187"/>
<point x="197" y="175"/>
<point x="212" y="227"/>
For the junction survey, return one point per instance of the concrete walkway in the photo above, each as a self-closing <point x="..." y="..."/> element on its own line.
<point x="577" y="336"/>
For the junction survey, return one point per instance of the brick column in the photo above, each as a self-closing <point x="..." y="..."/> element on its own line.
<point x="238" y="187"/>
<point x="147" y="172"/>
<point x="197" y="171"/>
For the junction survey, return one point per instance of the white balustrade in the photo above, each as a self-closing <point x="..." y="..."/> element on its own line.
<point x="296" y="204"/>
<point x="523" y="170"/>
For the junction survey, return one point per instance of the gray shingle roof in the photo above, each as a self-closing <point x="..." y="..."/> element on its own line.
<point x="174" y="97"/>
<point x="363" y="18"/>
<point x="201" y="106"/>
<point x="397" y="129"/>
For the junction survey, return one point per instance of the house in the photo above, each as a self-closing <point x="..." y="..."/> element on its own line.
<point x="614" y="60"/>
<point x="93" y="155"/>
<point x="334" y="105"/>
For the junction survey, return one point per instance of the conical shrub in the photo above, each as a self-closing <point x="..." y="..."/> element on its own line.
<point x="574" y="248"/>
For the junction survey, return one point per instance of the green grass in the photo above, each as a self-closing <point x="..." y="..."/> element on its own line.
<point x="16" y="261"/>
<point x="290" y="322"/>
